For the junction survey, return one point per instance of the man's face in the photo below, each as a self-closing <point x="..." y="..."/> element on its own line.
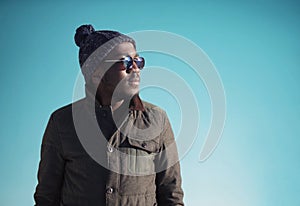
<point x="122" y="83"/>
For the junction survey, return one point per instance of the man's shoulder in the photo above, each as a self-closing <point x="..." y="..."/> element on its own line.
<point x="66" y="111"/>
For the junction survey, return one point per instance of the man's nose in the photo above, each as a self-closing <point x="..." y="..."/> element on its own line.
<point x="135" y="68"/>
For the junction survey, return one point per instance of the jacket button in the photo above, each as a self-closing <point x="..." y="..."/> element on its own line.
<point x="110" y="149"/>
<point x="110" y="190"/>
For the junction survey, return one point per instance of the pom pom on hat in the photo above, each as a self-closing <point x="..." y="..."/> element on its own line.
<point x="82" y="33"/>
<point x="99" y="43"/>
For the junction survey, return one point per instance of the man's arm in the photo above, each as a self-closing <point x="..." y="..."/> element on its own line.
<point x="168" y="178"/>
<point x="51" y="168"/>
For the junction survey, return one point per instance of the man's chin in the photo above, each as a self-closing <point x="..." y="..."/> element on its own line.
<point x="128" y="94"/>
<point x="132" y="93"/>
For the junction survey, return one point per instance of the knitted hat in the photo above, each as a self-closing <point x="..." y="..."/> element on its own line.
<point x="95" y="46"/>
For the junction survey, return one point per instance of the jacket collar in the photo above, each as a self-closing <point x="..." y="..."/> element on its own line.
<point x="135" y="104"/>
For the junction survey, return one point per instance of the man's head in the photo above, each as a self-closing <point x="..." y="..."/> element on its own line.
<point x="103" y="57"/>
<point x="94" y="46"/>
<point x="119" y="79"/>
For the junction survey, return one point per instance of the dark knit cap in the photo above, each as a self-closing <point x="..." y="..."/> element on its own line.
<point x="95" y="46"/>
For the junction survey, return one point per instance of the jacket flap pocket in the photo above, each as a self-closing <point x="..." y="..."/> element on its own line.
<point x="151" y="146"/>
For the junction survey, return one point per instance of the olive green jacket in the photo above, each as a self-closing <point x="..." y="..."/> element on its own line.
<point x="91" y="157"/>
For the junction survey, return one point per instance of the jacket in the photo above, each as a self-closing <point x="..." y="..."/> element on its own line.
<point x="128" y="161"/>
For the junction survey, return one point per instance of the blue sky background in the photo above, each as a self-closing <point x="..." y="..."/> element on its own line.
<point x="254" y="45"/>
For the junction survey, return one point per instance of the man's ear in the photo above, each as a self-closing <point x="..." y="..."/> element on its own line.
<point x="97" y="76"/>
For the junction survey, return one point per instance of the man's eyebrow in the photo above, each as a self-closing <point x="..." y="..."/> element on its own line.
<point x="128" y="54"/>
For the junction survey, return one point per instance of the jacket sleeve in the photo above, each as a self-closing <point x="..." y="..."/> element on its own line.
<point x="168" y="178"/>
<point x="51" y="168"/>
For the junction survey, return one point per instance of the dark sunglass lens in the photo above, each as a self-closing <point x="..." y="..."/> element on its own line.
<point x="140" y="62"/>
<point x="128" y="62"/>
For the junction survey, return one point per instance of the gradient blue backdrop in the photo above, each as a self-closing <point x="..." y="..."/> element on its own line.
<point x="254" y="45"/>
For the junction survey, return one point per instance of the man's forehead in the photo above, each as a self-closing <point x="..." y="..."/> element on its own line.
<point x="123" y="49"/>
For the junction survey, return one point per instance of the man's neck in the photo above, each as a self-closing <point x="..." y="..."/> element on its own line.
<point x="105" y="99"/>
<point x="116" y="104"/>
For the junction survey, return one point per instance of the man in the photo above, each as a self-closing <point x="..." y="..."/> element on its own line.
<point x="109" y="148"/>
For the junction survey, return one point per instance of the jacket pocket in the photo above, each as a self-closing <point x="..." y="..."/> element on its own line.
<point x="141" y="155"/>
<point x="149" y="146"/>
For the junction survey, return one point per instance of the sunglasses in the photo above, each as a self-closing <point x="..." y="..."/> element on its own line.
<point x="128" y="62"/>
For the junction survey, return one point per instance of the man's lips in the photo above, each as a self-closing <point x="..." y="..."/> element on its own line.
<point x="135" y="81"/>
